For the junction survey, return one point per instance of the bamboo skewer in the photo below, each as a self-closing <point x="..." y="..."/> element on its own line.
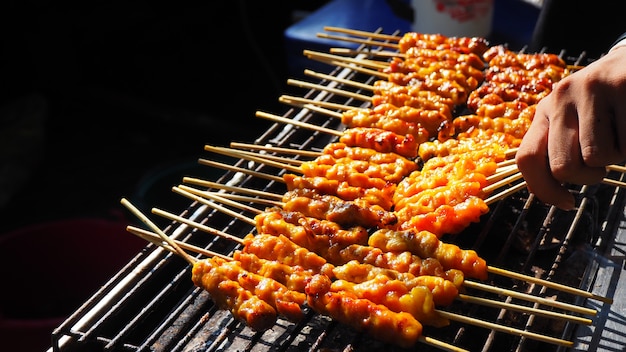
<point x="550" y="284"/>
<point x="366" y="34"/>
<point x="445" y="314"/>
<point x="368" y="42"/>
<point x="239" y="169"/>
<point x="360" y="69"/>
<point x="157" y="240"/>
<point x="501" y="181"/>
<point x="280" y="159"/>
<point x="274" y="149"/>
<point x="530" y="298"/>
<point x="490" y="200"/>
<point x="301" y="102"/>
<point x="277" y="118"/>
<point x="345" y="81"/>
<point x="491" y="269"/>
<point x="207" y="202"/>
<point x="177" y="248"/>
<point x="324" y="57"/>
<point x="321" y="87"/>
<point x="251" y="157"/>
<point x="216" y="185"/>
<point x="156" y="229"/>
<point x="505" y="193"/>
<point x="509" y="330"/>
<point x="386" y="54"/>
<point x="524" y="309"/>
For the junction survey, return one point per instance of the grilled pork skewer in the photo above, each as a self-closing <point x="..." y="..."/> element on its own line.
<point x="383" y="243"/>
<point x="341" y="304"/>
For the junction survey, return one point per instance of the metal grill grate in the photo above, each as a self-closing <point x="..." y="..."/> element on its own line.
<point x="152" y="305"/>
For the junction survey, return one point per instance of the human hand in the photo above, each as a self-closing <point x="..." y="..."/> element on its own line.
<point x="577" y="130"/>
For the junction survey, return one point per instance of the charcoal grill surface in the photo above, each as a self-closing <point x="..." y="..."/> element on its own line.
<point x="152" y="305"/>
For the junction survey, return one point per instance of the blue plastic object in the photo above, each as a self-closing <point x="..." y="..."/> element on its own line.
<point x="513" y="23"/>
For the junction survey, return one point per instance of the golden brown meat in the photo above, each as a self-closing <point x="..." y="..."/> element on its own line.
<point x="445" y="209"/>
<point x="389" y="92"/>
<point x="473" y="140"/>
<point x="347" y="197"/>
<point x="366" y="118"/>
<point x="473" y="166"/>
<point x="396" y="296"/>
<point x="462" y="64"/>
<point x="230" y="295"/>
<point x="444" y="291"/>
<point x="380" y="322"/>
<point x="405" y="262"/>
<point x="476" y="45"/>
<point x="435" y="55"/>
<point x="381" y="141"/>
<point x="282" y="249"/>
<point x="427" y="245"/>
<point x="500" y="56"/>
<point x="293" y="277"/>
<point x="435" y="74"/>
<point x="442" y="86"/>
<point x="345" y="169"/>
<point x="402" y="120"/>
<point x="311" y="233"/>
<point x="505" y="91"/>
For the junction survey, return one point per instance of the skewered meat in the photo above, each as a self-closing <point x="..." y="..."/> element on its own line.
<point x="434" y="55"/>
<point x="475" y="139"/>
<point x="445" y="209"/>
<point x="228" y="294"/>
<point x="364" y="118"/>
<point x="476" y="45"/>
<point x="516" y="127"/>
<point x="286" y="251"/>
<point x="427" y="245"/>
<point x="420" y="122"/>
<point x="507" y="92"/>
<point x="389" y="92"/>
<point x="399" y="328"/>
<point x="293" y="277"/>
<point x="443" y="290"/>
<point x="472" y="166"/>
<point x="372" y="196"/>
<point x="552" y="73"/>
<point x="461" y="64"/>
<point x="400" y="261"/>
<point x="430" y="76"/>
<point x="386" y="167"/>
<point x="345" y="213"/>
<point x="502" y="57"/>
<point x="311" y="233"/>
<point x="396" y="296"/>
<point x="442" y="86"/>
<point x="381" y="141"/>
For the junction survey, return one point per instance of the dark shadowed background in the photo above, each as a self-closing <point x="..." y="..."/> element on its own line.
<point x="104" y="99"/>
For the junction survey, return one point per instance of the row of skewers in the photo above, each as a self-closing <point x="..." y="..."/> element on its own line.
<point x="358" y="234"/>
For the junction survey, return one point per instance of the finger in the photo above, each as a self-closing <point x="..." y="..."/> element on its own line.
<point x="598" y="140"/>
<point x="563" y="146"/>
<point x="565" y="153"/>
<point x="531" y="159"/>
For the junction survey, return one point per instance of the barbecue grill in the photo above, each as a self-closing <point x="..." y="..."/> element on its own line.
<point x="152" y="305"/>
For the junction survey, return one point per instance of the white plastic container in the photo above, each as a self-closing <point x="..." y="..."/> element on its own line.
<point x="467" y="18"/>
